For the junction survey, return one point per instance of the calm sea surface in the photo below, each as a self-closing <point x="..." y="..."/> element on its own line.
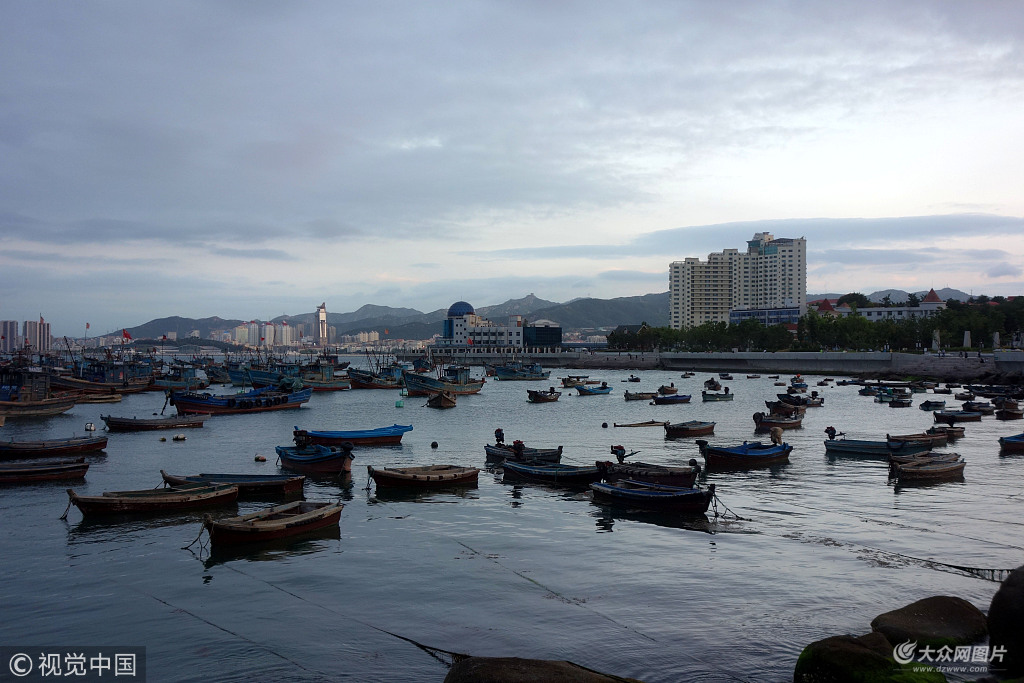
<point x="820" y="548"/>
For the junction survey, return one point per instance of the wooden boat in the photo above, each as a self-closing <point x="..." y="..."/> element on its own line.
<point x="901" y="402"/>
<point x="155" y="501"/>
<point x="665" y="390"/>
<point x="780" y="408"/>
<point x="385" y="378"/>
<point x="715" y="396"/>
<point x="249" y="485"/>
<point x="639" y="395"/>
<point x="952" y="433"/>
<point x="43" y="407"/>
<point x="144" y="424"/>
<point x="380" y="436"/>
<point x="10" y="450"/>
<point x="934" y="439"/>
<point x="964" y="396"/>
<point x="536" y="396"/>
<point x="423" y="476"/>
<point x="712" y="384"/>
<point x="926" y="470"/>
<point x="921" y="457"/>
<point x="254" y="401"/>
<point x="671" y="399"/>
<point x="649" y="423"/>
<point x="632" y="378"/>
<point x="1009" y="414"/>
<point x="653" y="496"/>
<point x="23" y="473"/>
<point x="677" y="430"/>
<point x="554" y="473"/>
<point x="573" y="381"/>
<point x="669" y="475"/>
<point x="442" y="399"/>
<point x="519" y="452"/>
<point x="724" y="375"/>
<point x="764" y="423"/>
<point x="315" y="458"/>
<point x="454" y="379"/>
<point x="280" y="521"/>
<point x="754" y="376"/>
<point x="746" y="455"/>
<point x="983" y="407"/>
<point x="587" y="390"/>
<point x="953" y="416"/>
<point x="1011" y="444"/>
<point x="877" y="449"/>
<point x="931" y="405"/>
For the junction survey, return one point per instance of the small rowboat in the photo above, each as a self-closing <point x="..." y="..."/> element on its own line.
<point x="145" y="424"/>
<point x="952" y="433"/>
<point x="951" y="416"/>
<point x="923" y="457"/>
<point x="1011" y="444"/>
<point x="274" y="523"/>
<point x="933" y="439"/>
<point x="671" y="399"/>
<point x="566" y="475"/>
<point x="519" y="452"/>
<point x="925" y="470"/>
<point x="649" y="423"/>
<point x="715" y="396"/>
<point x="155" y="501"/>
<point x="549" y="396"/>
<point x="669" y="475"/>
<point x="442" y="399"/>
<point x="1010" y="414"/>
<point x="588" y="390"/>
<point x="639" y="395"/>
<point x="745" y="456"/>
<point x="10" y="450"/>
<point x="874" y="449"/>
<point x="666" y="390"/>
<point x="22" y="473"/>
<point x="764" y="422"/>
<point x="654" y="496"/>
<point x="690" y="428"/>
<point x="316" y="459"/>
<point x="249" y="485"/>
<point x="932" y="405"/>
<point x="424" y="476"/>
<point x="380" y="436"/>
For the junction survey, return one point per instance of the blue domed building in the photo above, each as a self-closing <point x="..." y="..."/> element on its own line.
<point x="463" y="327"/>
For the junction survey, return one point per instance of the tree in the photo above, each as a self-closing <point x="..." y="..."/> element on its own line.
<point x="854" y="299"/>
<point x="913" y="301"/>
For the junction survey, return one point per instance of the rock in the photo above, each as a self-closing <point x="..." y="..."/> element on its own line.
<point x="1006" y="623"/>
<point x="516" y="670"/>
<point x="936" y="621"/>
<point x="853" y="659"/>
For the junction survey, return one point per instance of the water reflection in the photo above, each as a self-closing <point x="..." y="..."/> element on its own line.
<point x="606" y="517"/>
<point x="270" y="551"/>
<point x="115" y="527"/>
<point x="432" y="495"/>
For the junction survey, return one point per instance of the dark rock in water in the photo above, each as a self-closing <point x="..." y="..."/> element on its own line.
<point x="516" y="670"/>
<point x="1006" y="623"/>
<point x="853" y="659"/>
<point x="937" y="621"/>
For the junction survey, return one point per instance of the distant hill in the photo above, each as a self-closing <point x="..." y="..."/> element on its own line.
<point x="582" y="314"/>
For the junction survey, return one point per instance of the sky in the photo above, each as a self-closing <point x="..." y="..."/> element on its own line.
<point x="250" y="158"/>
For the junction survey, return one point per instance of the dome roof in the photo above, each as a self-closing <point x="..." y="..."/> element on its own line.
<point x="459" y="309"/>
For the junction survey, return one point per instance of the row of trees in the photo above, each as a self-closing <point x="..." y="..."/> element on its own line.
<point x="816" y="332"/>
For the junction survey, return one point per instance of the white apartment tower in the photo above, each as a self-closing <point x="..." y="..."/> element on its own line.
<point x="768" y="282"/>
<point x="321" y="325"/>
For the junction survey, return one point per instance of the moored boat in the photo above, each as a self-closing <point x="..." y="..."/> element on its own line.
<point x="670" y="475"/>
<point x="654" y="496"/>
<point x="671" y="399"/>
<point x="24" y="473"/>
<point x="442" y="399"/>
<point x="155" y="501"/>
<point x="677" y="430"/>
<point x="648" y="423"/>
<point x="379" y="436"/>
<point x="520" y="452"/>
<point x="764" y="423"/>
<point x="953" y="416"/>
<point x="423" y="476"/>
<point x="249" y="485"/>
<point x="931" y="405"/>
<point x="516" y="370"/>
<point x="552" y="473"/>
<point x="593" y="390"/>
<point x="44" y="448"/>
<point x="877" y="449"/>
<point x="665" y="390"/>
<point x="934" y="439"/>
<point x="952" y="433"/>
<point x="715" y="396"/>
<point x="747" y="455"/>
<point x="1011" y="444"/>
<point x="254" y="401"/>
<point x="928" y="469"/>
<point x="537" y="396"/>
<point x="315" y="458"/>
<point x="144" y="424"/>
<point x="454" y="379"/>
<point x="289" y="520"/>
<point x="639" y="395"/>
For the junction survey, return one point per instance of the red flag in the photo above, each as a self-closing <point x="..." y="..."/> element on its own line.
<point x="87" y="326"/>
<point x="124" y="334"/>
<point x="469" y="341"/>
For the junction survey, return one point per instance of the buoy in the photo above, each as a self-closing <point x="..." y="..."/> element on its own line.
<point x="433" y="444"/>
<point x="604" y="425"/>
<point x="260" y="458"/>
<point x="399" y="403"/>
<point x="90" y="427"/>
<point x="163" y="438"/>
<point x="179" y="437"/>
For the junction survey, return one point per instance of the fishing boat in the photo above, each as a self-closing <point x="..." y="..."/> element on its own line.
<point x="1009" y="414"/>
<point x="249" y="485"/>
<point x="27" y="394"/>
<point x="669" y="475"/>
<point x="671" y="399"/>
<point x="81" y="398"/>
<point x="954" y="416"/>
<point x="666" y="390"/>
<point x="654" y="496"/>
<point x="780" y="408"/>
<point x="315" y="458"/>
<point x="712" y="384"/>
<point x="573" y="380"/>
<point x="1011" y="444"/>
<point x="517" y="370"/>
<point x="10" y="450"/>
<point x="54" y="470"/>
<point x="253" y="401"/>
<point x="715" y="396"/>
<point x="155" y="501"/>
<point x="983" y="407"/>
<point x="536" y="396"/>
<point x="455" y="379"/>
<point x="747" y="455"/>
<point x="754" y="376"/>
<point x="598" y="390"/>
<point x="648" y="423"/>
<point x="725" y="375"/>
<point x="952" y="433"/>
<point x="554" y="473"/>
<point x="145" y="424"/>
<point x="931" y="405"/>
<point x="874" y="449"/>
<point x="280" y="521"/>
<point x="922" y="457"/>
<point x="632" y="378"/>
<point x="900" y="402"/>
<point x="764" y="423"/>
<point x="928" y="470"/>
<point x="639" y="395"/>
<point x="442" y="399"/>
<point x="379" y="436"/>
<point x="384" y="372"/>
<point x="423" y="476"/>
<point x="934" y="439"/>
<point x="691" y="428"/>
<point x="520" y="452"/>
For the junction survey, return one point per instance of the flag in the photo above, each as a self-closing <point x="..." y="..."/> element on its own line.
<point x="87" y="326"/>
<point x="124" y="334"/>
<point x="164" y="337"/>
<point x="469" y="341"/>
<point x="41" y="321"/>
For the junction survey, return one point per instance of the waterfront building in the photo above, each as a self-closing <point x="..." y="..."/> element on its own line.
<point x="930" y="305"/>
<point x="768" y="282"/>
<point x="321" y="325"/>
<point x="10" y="340"/>
<point x="463" y="327"/>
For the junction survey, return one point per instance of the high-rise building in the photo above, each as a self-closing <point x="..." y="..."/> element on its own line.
<point x="10" y="340"/>
<point x="768" y="283"/>
<point x="37" y="335"/>
<point x="321" y="325"/>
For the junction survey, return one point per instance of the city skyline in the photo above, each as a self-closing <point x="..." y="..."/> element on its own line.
<point x="217" y="160"/>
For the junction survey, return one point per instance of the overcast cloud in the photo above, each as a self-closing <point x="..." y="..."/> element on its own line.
<point x="249" y="159"/>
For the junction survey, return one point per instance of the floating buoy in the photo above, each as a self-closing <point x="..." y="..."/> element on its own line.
<point x="399" y="403"/>
<point x="433" y="444"/>
<point x="179" y="437"/>
<point x="604" y="425"/>
<point x="90" y="427"/>
<point x="260" y="458"/>
<point x="163" y="438"/>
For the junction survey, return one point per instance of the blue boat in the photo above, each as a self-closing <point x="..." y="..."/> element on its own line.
<point x="553" y="473"/>
<point x="455" y="379"/>
<point x="254" y="401"/>
<point x="670" y="399"/>
<point x="1011" y="444"/>
<point x="314" y="458"/>
<point x="881" y="449"/>
<point x="380" y="436"/>
<point x="641" y="494"/>
<point x="517" y="370"/>
<point x="747" y="455"/>
<point x="593" y="390"/>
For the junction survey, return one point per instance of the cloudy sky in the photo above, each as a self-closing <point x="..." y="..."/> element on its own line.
<point x="253" y="158"/>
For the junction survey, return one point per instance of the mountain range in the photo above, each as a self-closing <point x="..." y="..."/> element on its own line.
<point x="578" y="315"/>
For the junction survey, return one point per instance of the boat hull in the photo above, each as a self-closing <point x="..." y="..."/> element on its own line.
<point x="692" y="428"/>
<point x="316" y="459"/>
<point x="436" y="476"/>
<point x="291" y="520"/>
<point x="249" y="485"/>
<point x="745" y="456"/>
<point x="154" y="501"/>
<point x="131" y="424"/>
<point x="54" y="471"/>
<point x="563" y="475"/>
<point x="501" y="453"/>
<point x="46" y="407"/>
<point x="381" y="436"/>
<point x="653" y="474"/>
<point x="32" y="449"/>
<point x="256" y="401"/>
<point x="425" y="385"/>
<point x="654" y="497"/>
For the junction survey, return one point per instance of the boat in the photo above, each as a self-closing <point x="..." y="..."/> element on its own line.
<point x="899" y="402"/>
<point x="691" y="428"/>
<point x="1010" y="414"/>
<point x="665" y="390"/>
<point x="574" y="380"/>
<point x="520" y="452"/>
<point x="983" y="407"/>
<point x="380" y="436"/>
<point x="765" y="422"/>
<point x="1011" y="444"/>
<point x="249" y="485"/>
<point x="669" y="475"/>
<point x="747" y="455"/>
<point x="274" y="523"/>
<point x="649" y="423"/>
<point x="754" y="376"/>
<point x="423" y="476"/>
<point x="715" y="396"/>
<point x="24" y="473"/>
<point x="780" y="408"/>
<point x="921" y="457"/>
<point x="442" y="399"/>
<point x="553" y="473"/>
<point x="964" y="396"/>
<point x="931" y="405"/>
<point x="10" y="450"/>
<point x="384" y="372"/>
<point x="654" y="496"/>
<point x="712" y="384"/>
<point x="632" y="378"/>
<point x="517" y="370"/>
<point x="536" y="396"/>
<point x="639" y="395"/>
<point x="671" y="399"/>
<point x="953" y="416"/>
<point x="878" y="449"/>
<point x="455" y="379"/>
<point x="588" y="390"/>
<point x="315" y="458"/>
<point x="145" y="424"/>
<point x="935" y="439"/>
<point x="253" y="401"/>
<point x="155" y="501"/>
<point x="952" y="433"/>
<point x="27" y="394"/>
<point x="926" y="470"/>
